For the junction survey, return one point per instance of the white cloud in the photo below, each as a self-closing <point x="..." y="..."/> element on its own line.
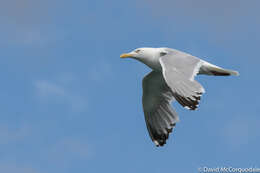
<point x="50" y="92"/>
<point x="46" y="88"/>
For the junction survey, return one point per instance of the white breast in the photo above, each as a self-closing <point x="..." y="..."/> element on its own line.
<point x="152" y="62"/>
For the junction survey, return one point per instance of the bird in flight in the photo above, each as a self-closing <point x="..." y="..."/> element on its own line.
<point x="171" y="78"/>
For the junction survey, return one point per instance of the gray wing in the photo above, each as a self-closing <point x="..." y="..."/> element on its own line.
<point x="179" y="70"/>
<point x="160" y="117"/>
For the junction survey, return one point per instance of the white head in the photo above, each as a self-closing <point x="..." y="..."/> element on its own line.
<point x="147" y="55"/>
<point x="143" y="53"/>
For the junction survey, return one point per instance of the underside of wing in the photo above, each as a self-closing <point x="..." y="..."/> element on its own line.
<point x="179" y="70"/>
<point x="160" y="117"/>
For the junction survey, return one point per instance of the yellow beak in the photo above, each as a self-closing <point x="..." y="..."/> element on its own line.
<point x="126" y="55"/>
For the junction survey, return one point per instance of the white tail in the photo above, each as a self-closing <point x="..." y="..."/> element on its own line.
<point x="210" y="69"/>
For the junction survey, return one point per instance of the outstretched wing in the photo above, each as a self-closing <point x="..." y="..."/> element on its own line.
<point x="160" y="117"/>
<point x="179" y="70"/>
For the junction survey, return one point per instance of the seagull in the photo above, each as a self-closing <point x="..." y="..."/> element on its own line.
<point x="171" y="78"/>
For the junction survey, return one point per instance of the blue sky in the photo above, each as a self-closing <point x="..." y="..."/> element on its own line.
<point x="70" y="104"/>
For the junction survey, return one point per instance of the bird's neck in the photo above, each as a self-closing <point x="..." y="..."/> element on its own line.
<point x="152" y="62"/>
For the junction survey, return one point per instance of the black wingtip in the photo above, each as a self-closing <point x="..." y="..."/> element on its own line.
<point x="160" y="141"/>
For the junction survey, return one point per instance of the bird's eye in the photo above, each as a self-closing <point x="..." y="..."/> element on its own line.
<point x="137" y="51"/>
